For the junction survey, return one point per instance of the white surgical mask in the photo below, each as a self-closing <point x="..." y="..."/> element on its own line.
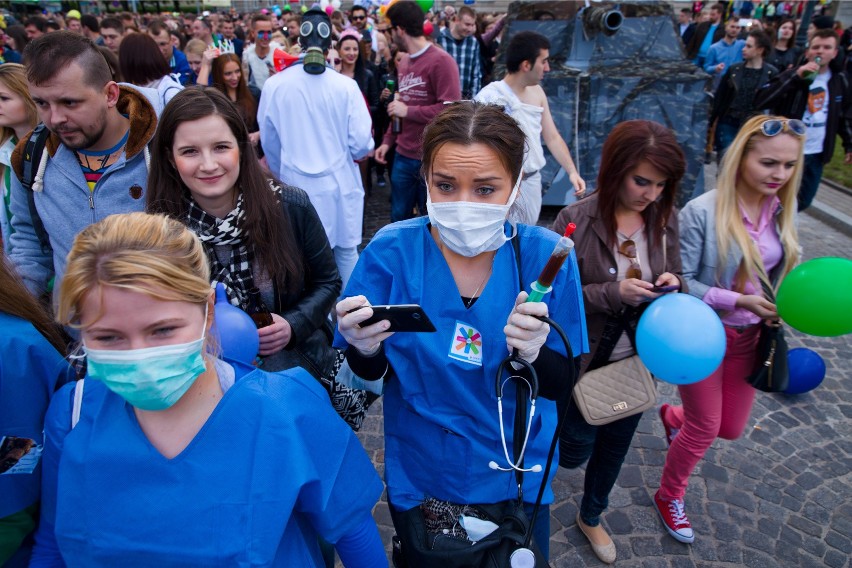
<point x="469" y="228"/>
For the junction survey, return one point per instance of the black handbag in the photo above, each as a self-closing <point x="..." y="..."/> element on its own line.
<point x="770" y="372"/>
<point x="424" y="549"/>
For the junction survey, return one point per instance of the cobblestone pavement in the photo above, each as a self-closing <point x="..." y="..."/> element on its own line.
<point x="779" y="496"/>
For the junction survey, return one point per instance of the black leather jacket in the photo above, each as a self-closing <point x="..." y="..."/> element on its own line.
<point x="731" y="83"/>
<point x="787" y="95"/>
<point x="307" y="311"/>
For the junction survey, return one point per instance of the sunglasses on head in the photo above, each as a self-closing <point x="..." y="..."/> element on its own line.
<point x="775" y="127"/>
<point x="628" y="249"/>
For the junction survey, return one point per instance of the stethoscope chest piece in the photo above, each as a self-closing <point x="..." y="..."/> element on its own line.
<point x="522" y="558"/>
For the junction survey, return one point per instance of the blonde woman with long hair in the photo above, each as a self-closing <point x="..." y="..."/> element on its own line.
<point x="734" y="240"/>
<point x="17" y="117"/>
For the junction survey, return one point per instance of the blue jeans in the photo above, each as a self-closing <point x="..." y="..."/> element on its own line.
<point x="811" y="176"/>
<point x="726" y="131"/>
<point x="407" y="188"/>
<point x="605" y="447"/>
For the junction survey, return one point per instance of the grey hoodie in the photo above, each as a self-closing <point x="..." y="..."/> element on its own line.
<point x="65" y="204"/>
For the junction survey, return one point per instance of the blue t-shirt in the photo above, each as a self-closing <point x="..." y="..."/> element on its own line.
<point x="708" y="41"/>
<point x="440" y="407"/>
<point x="271" y="469"/>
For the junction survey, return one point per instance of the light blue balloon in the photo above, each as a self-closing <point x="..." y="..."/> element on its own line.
<point x="680" y="339"/>
<point x="234" y="329"/>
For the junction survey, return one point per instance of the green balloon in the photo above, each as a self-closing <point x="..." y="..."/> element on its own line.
<point x="816" y="297"/>
<point x="425" y="5"/>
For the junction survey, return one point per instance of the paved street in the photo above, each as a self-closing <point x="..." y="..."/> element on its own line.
<point x="779" y="496"/>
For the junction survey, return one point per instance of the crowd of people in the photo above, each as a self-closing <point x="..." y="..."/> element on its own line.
<point x="146" y="159"/>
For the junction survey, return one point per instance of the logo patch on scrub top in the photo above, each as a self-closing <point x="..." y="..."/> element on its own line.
<point x="466" y="344"/>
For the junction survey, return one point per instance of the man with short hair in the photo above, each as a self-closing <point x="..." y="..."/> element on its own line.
<point x="91" y="28"/>
<point x="725" y="52"/>
<point x="734" y="100"/>
<point x="706" y="34"/>
<point x="112" y="30"/>
<point x="819" y="95"/>
<point x="522" y="97"/>
<point x="35" y="26"/>
<point x="686" y="28"/>
<point x="459" y="41"/>
<point x="226" y="27"/>
<point x="178" y="65"/>
<point x="72" y="22"/>
<point x="202" y="29"/>
<point x="257" y="58"/>
<point x="428" y="77"/>
<point x="94" y="160"/>
<point x="360" y="21"/>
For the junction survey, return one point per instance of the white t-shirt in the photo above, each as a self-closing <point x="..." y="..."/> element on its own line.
<point x="816" y="113"/>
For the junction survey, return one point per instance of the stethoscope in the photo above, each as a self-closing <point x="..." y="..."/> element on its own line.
<point x="499" y="383"/>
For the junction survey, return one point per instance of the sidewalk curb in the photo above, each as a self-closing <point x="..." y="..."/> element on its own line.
<point x="831" y="217"/>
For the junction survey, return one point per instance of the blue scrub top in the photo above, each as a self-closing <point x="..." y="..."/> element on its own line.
<point x="272" y="468"/>
<point x="441" y="422"/>
<point x="30" y="370"/>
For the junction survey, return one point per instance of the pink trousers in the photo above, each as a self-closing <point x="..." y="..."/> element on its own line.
<point x="718" y="406"/>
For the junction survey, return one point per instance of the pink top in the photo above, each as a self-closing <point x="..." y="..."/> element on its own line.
<point x="771" y="251"/>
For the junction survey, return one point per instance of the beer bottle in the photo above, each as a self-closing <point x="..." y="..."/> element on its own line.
<point x="257" y="309"/>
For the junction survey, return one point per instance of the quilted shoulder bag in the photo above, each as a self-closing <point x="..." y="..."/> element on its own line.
<point x="617" y="390"/>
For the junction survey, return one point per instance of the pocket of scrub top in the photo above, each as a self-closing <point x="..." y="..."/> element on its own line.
<point x="455" y="460"/>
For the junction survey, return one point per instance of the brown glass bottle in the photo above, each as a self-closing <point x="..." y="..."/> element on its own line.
<point x="257" y="309"/>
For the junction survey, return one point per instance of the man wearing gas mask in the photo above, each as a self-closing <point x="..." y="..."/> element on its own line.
<point x="334" y="128"/>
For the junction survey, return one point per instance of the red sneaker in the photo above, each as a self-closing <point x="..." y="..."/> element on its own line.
<point x="670" y="432"/>
<point x="674" y="518"/>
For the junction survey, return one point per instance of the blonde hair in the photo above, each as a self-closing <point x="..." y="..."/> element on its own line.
<point x="150" y="254"/>
<point x="195" y="47"/>
<point x="729" y="224"/>
<point x="14" y="76"/>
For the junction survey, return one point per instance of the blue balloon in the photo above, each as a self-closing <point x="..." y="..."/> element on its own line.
<point x="234" y="329"/>
<point x="680" y="339"/>
<point x="807" y="370"/>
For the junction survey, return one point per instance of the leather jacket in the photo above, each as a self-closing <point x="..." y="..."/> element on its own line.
<point x="307" y="310"/>
<point x="731" y="83"/>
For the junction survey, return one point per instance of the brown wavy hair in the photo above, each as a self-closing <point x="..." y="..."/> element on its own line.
<point x="629" y="144"/>
<point x="16" y="300"/>
<point x="245" y="100"/>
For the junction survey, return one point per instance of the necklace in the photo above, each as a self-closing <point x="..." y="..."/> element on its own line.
<point x="473" y="297"/>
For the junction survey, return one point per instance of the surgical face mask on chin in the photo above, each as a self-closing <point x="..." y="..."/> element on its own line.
<point x="468" y="228"/>
<point x="154" y="378"/>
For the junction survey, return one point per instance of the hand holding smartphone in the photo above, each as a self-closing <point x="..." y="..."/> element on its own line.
<point x="665" y="289"/>
<point x="402" y="318"/>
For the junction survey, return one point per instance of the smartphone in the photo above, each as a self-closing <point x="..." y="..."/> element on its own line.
<point x="665" y="289"/>
<point x="402" y="317"/>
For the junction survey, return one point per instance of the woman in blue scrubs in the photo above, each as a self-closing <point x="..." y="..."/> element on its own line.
<point x="442" y="430"/>
<point x="31" y="367"/>
<point x="179" y="458"/>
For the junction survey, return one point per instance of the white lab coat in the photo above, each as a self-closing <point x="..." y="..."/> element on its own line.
<point x="312" y="128"/>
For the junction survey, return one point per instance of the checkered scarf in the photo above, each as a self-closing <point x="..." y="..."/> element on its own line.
<point x="236" y="275"/>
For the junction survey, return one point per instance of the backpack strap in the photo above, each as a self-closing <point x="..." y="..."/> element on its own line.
<point x="78" y="402"/>
<point x="31" y="168"/>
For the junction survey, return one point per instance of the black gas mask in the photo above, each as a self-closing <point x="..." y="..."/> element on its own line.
<point x="315" y="39"/>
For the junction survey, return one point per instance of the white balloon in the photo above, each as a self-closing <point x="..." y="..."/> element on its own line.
<point x="323" y="4"/>
<point x="336" y="4"/>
